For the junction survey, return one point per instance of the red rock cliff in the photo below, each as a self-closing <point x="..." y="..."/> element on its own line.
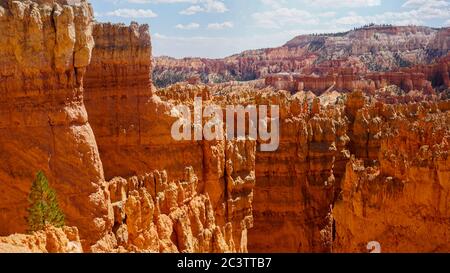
<point x="44" y="51"/>
<point x="133" y="130"/>
<point x="353" y="173"/>
<point x="320" y="79"/>
<point x="349" y="169"/>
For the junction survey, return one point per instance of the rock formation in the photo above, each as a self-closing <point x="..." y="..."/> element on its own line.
<point x="133" y="130"/>
<point x="390" y="193"/>
<point x="117" y="96"/>
<point x="44" y="52"/>
<point x="372" y="48"/>
<point x="342" y="170"/>
<point x="304" y="193"/>
<point x="351" y="167"/>
<point x="152" y="214"/>
<point x="50" y="240"/>
<point x="45" y="127"/>
<point x="323" y="78"/>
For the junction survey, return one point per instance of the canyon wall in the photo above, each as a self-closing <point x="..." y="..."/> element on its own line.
<point x="371" y="48"/>
<point x="44" y="51"/>
<point x="350" y="168"/>
<point x="309" y="194"/>
<point x="295" y="185"/>
<point x="153" y="214"/>
<point x="118" y="96"/>
<point x="398" y="194"/>
<point x="352" y="173"/>
<point x="324" y="78"/>
<point x="133" y="125"/>
<point x="44" y="126"/>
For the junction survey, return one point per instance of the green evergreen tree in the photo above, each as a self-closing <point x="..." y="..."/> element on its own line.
<point x="44" y="209"/>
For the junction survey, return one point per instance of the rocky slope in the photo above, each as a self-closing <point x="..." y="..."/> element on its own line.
<point x="45" y="127"/>
<point x="373" y="48"/>
<point x="397" y="192"/>
<point x="339" y="169"/>
<point x="331" y="76"/>
<point x="349" y="174"/>
<point x="50" y="240"/>
<point x="133" y="131"/>
<point x="350" y="168"/>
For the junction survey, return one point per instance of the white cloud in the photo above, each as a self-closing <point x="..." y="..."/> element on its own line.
<point x="408" y="17"/>
<point x="192" y="10"/>
<point x="189" y="26"/>
<point x="208" y="6"/>
<point x="387" y="18"/>
<point x="193" y="46"/>
<point x="162" y="1"/>
<point x="343" y="3"/>
<point x="139" y="1"/>
<point x="281" y="17"/>
<point x="276" y="4"/>
<point x="352" y="19"/>
<point x="219" y="47"/>
<point x="429" y="3"/>
<point x="197" y="6"/>
<point x="217" y="26"/>
<point x="215" y="6"/>
<point x="414" y="12"/>
<point x="131" y="13"/>
<point x="328" y="14"/>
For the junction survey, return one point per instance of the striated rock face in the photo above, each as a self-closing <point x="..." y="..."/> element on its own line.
<point x="133" y="130"/>
<point x="44" y="51"/>
<point x="400" y="196"/>
<point x="353" y="173"/>
<point x="44" y="126"/>
<point x="152" y="214"/>
<point x="374" y="48"/>
<point x="350" y="168"/>
<point x="295" y="186"/>
<point x="50" y="240"/>
<point x="422" y="78"/>
<point x="117" y="96"/>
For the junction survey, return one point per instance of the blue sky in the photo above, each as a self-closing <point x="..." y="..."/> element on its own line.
<point x="219" y="28"/>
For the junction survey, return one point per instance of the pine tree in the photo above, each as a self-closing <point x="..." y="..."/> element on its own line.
<point x="44" y="209"/>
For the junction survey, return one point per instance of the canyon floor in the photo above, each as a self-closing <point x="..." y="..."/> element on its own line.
<point x="363" y="154"/>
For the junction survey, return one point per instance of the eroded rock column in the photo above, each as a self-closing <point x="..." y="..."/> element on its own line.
<point x="44" y="51"/>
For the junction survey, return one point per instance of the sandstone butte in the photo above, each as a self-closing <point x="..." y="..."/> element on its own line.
<point x="77" y="101"/>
